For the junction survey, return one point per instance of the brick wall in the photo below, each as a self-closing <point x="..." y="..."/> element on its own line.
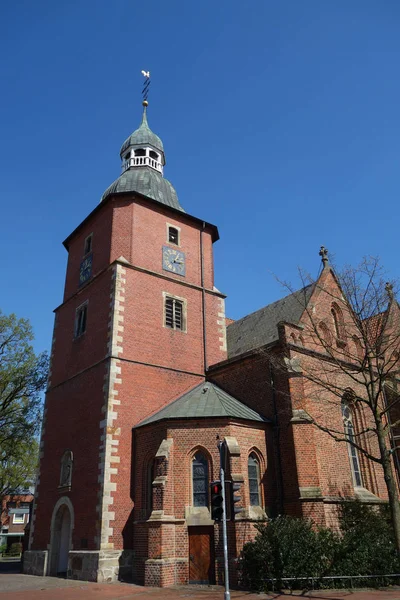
<point x="125" y="366"/>
<point x="162" y="536"/>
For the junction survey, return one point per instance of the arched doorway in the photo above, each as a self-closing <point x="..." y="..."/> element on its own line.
<point x="61" y="530"/>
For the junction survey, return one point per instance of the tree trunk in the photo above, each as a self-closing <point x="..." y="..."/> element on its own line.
<point x="390" y="485"/>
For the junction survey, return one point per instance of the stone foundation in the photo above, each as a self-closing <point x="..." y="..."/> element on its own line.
<point x="102" y="566"/>
<point x="35" y="562"/>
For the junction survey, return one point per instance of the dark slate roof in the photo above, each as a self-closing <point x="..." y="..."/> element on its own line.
<point x="145" y="181"/>
<point x="142" y="135"/>
<point x="260" y="328"/>
<point x="205" y="401"/>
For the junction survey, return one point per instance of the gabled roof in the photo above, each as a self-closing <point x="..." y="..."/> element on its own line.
<point x="205" y="401"/>
<point x="261" y="327"/>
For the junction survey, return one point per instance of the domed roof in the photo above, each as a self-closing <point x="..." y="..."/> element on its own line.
<point x="145" y="181"/>
<point x="142" y="136"/>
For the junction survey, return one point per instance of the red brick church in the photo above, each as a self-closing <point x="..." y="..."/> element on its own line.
<point x="147" y="374"/>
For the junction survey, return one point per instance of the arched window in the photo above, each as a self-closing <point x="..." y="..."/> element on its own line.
<point x="253" y="467"/>
<point x="338" y="321"/>
<point x="140" y="152"/>
<point x="200" y="479"/>
<point x="325" y="334"/>
<point x="349" y="432"/>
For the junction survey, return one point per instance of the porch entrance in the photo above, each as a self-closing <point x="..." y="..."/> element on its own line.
<point x="201" y="555"/>
<point x="61" y="536"/>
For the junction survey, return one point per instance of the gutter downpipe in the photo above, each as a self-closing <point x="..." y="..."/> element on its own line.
<point x="203" y="295"/>
<point x="279" y="481"/>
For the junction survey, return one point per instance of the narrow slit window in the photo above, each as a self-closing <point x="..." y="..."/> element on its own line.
<point x="88" y="244"/>
<point x="353" y="453"/>
<point x="200" y="480"/>
<point x="338" y="322"/>
<point x="173" y="235"/>
<point x="80" y="320"/>
<point x="174" y="314"/>
<point x="254" y="480"/>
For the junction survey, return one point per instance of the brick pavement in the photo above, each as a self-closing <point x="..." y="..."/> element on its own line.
<point x="24" y="587"/>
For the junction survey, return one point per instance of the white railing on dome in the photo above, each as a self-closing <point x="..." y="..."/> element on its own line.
<point x="142" y="161"/>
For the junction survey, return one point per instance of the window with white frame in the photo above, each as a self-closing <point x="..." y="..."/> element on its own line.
<point x="18" y="518"/>
<point x="253" y="467"/>
<point x="174" y="313"/>
<point x="353" y="453"/>
<point x="80" y="319"/>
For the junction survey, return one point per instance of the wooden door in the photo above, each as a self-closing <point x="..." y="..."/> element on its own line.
<point x="201" y="555"/>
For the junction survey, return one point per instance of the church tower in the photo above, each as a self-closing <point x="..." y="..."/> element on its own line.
<point x="139" y="324"/>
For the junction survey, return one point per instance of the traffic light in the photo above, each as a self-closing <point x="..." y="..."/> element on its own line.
<point x="217" y="509"/>
<point x="235" y="487"/>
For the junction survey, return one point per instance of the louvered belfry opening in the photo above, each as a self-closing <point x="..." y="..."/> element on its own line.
<point x="173" y="235"/>
<point x="173" y="313"/>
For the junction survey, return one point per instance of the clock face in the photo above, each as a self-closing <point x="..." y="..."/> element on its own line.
<point x="85" y="270"/>
<point x="173" y="261"/>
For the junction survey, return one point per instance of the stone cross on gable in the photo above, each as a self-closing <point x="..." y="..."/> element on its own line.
<point x="389" y="290"/>
<point x="324" y="256"/>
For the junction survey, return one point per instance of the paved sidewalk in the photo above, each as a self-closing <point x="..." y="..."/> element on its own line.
<point x="15" y="586"/>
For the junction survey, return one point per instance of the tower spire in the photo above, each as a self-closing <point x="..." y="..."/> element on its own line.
<point x="142" y="162"/>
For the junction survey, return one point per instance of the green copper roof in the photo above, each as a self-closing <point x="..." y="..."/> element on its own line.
<point x="205" y="401"/>
<point x="145" y="181"/>
<point x="143" y="135"/>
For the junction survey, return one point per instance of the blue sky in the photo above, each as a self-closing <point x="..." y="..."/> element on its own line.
<point x="280" y="121"/>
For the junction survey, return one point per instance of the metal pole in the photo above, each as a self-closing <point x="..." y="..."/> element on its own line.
<point x="222" y="455"/>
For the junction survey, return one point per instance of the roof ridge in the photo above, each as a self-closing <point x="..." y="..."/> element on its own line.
<point x="171" y="403"/>
<point x="214" y="405"/>
<point x="271" y="304"/>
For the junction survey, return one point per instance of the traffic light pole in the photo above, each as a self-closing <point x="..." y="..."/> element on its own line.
<point x="222" y="455"/>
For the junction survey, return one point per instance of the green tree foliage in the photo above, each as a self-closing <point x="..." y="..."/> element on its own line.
<point x="18" y="465"/>
<point x="288" y="547"/>
<point x="23" y="376"/>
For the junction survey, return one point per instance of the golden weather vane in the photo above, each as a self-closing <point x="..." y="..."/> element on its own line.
<point x="146" y="85"/>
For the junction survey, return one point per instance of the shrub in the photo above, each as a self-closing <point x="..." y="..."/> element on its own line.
<point x="367" y="544"/>
<point x="289" y="547"/>
<point x="15" y="549"/>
